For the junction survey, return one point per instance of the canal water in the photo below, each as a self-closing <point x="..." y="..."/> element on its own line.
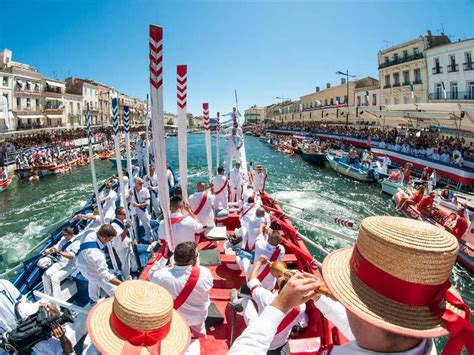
<point x="29" y="211"/>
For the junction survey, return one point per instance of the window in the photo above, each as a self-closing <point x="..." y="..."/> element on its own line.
<point x="396" y="79"/>
<point x="417" y="73"/>
<point x="405" y="54"/>
<point x="468" y="57"/>
<point x="454" y="90"/>
<point x="395" y="57"/>
<point x="345" y="99"/>
<point x="78" y="107"/>
<point x="386" y="60"/>
<point x="452" y="59"/>
<point x="358" y="101"/>
<point x="406" y="77"/>
<point x="338" y="99"/>
<point x="331" y="102"/>
<point x="438" y="91"/>
<point x="37" y="103"/>
<point x="28" y="103"/>
<point x="374" y="99"/>
<point x="326" y="102"/>
<point x="6" y="96"/>
<point x="18" y="103"/>
<point x="416" y="51"/>
<point x="387" y="80"/>
<point x="71" y="107"/>
<point x="5" y="81"/>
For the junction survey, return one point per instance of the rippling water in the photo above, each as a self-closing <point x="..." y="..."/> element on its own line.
<point x="29" y="211"/>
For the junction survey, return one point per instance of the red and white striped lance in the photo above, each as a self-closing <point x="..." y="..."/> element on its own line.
<point x="205" y="110"/>
<point x="182" y="85"/>
<point x="344" y="222"/>
<point x="156" y="56"/>
<point x="218" y="125"/>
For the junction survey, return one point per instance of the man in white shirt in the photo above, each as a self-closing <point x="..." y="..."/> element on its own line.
<point x="272" y="249"/>
<point x="263" y="298"/>
<point x="151" y="183"/>
<point x="236" y="183"/>
<point x="203" y="204"/>
<point x="140" y="201"/>
<point x="60" y="259"/>
<point x="234" y="143"/>
<point x="183" y="228"/>
<point x="247" y="212"/>
<point x="189" y="284"/>
<point x="259" y="180"/>
<point x="140" y="147"/>
<point x="122" y="242"/>
<point x="108" y="197"/>
<point x="220" y="189"/>
<point x="171" y="179"/>
<point x="385" y="163"/>
<point x="9" y="297"/>
<point x="94" y="220"/>
<point x="92" y="264"/>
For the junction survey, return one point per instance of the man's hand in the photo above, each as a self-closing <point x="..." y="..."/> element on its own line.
<point x="298" y="290"/>
<point x="262" y="260"/>
<point x="58" y="332"/>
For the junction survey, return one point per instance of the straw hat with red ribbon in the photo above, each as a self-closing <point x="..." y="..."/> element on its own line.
<point x="140" y="319"/>
<point x="396" y="277"/>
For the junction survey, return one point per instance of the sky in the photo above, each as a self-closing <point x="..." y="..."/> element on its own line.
<point x="263" y="49"/>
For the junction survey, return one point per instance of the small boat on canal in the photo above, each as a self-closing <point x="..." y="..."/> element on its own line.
<point x="314" y="157"/>
<point x="5" y="183"/>
<point x="355" y="171"/>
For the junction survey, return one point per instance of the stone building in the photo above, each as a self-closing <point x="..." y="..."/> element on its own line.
<point x="73" y="109"/>
<point x="254" y="114"/>
<point x="53" y="102"/>
<point x="367" y="92"/>
<point x="90" y="97"/>
<point x="402" y="70"/>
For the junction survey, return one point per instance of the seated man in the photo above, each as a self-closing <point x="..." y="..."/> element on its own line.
<point x="92" y="264"/>
<point x="189" y="284"/>
<point x="272" y="249"/>
<point x="424" y="206"/>
<point x="460" y="226"/>
<point x="183" y="228"/>
<point x="263" y="298"/>
<point x="61" y="265"/>
<point x="14" y="307"/>
<point x="202" y="204"/>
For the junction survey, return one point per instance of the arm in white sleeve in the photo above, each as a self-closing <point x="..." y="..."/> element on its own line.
<point x="98" y="260"/>
<point x="257" y="337"/>
<point x="336" y="314"/>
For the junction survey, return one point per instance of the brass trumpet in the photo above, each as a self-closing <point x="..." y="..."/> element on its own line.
<point x="279" y="269"/>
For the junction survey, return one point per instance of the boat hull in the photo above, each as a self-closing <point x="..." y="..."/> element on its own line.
<point x="348" y="170"/>
<point x="314" y="158"/>
<point x="391" y="187"/>
<point x="5" y="183"/>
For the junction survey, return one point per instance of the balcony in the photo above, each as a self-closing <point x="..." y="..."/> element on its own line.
<point x="452" y="68"/>
<point x="452" y="95"/>
<point x="53" y="90"/>
<point x="406" y="83"/>
<point x="468" y="66"/>
<point x="396" y="84"/>
<point x="437" y="70"/>
<point x="27" y="92"/>
<point x="387" y="86"/>
<point x="406" y="59"/>
<point x="417" y="82"/>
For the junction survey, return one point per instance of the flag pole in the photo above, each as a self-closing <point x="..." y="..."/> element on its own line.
<point x="92" y="163"/>
<point x="158" y="123"/>
<point x="218" y="128"/>
<point x="147" y="145"/>
<point x="207" y="135"/>
<point x="181" y="92"/>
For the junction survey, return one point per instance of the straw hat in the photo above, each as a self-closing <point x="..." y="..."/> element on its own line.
<point x="138" y="308"/>
<point x="391" y="277"/>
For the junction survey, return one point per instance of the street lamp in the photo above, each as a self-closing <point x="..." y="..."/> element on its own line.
<point x="347" y="75"/>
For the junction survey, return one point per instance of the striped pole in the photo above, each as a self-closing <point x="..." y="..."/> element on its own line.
<point x="126" y="130"/>
<point x="181" y="92"/>
<point x="90" y="138"/>
<point x="218" y="129"/>
<point x="207" y="135"/>
<point x="158" y="122"/>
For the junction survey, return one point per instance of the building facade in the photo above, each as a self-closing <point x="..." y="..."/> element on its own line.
<point x="254" y="114"/>
<point x="6" y="91"/>
<point x="451" y="71"/>
<point x="53" y="102"/>
<point x="89" y="92"/>
<point x="367" y="93"/>
<point x="403" y="72"/>
<point x="73" y="109"/>
<point x="331" y="96"/>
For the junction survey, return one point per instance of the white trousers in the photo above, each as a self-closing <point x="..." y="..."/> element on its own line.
<point x="109" y="215"/>
<point x="53" y="277"/>
<point x="155" y="204"/>
<point x="232" y="154"/>
<point x="222" y="199"/>
<point x="144" y="218"/>
<point x="124" y="257"/>
<point x="141" y="164"/>
<point x="235" y="193"/>
<point x="250" y="312"/>
<point x="95" y="286"/>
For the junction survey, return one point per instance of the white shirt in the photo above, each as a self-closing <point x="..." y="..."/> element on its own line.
<point x="206" y="215"/>
<point x="110" y="203"/>
<point x="72" y="248"/>
<point x="258" y="335"/>
<point x="247" y="213"/>
<point x="91" y="262"/>
<point x="152" y="184"/>
<point x="139" y="147"/>
<point x="218" y="182"/>
<point x="262" y="247"/>
<point x="183" y="231"/>
<point x="236" y="179"/>
<point x="234" y="142"/>
<point x="264" y="298"/>
<point x="258" y="182"/>
<point x="142" y="196"/>
<point x="117" y="242"/>
<point x="173" y="279"/>
<point x="170" y="176"/>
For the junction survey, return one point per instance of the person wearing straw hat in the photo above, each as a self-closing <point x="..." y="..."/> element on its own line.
<point x="394" y="284"/>
<point x="91" y="262"/>
<point x="139" y="319"/>
<point x="259" y="180"/>
<point x="189" y="284"/>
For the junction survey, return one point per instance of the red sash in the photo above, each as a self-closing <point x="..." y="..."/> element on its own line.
<point x="176" y="220"/>
<point x="266" y="270"/>
<point x="188" y="287"/>
<point x="226" y="183"/>
<point x="289" y="319"/>
<point x="201" y="204"/>
<point x="247" y="210"/>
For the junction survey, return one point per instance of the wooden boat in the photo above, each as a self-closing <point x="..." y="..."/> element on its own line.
<point x="317" y="157"/>
<point x="340" y="165"/>
<point x="105" y="155"/>
<point x="391" y="187"/>
<point x="441" y="212"/>
<point x="41" y="170"/>
<point x="5" y="183"/>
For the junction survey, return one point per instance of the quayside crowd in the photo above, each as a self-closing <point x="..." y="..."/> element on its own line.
<point x="424" y="143"/>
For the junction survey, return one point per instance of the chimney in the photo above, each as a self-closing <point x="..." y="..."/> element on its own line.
<point x="317" y="89"/>
<point x="343" y="81"/>
<point x="328" y="85"/>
